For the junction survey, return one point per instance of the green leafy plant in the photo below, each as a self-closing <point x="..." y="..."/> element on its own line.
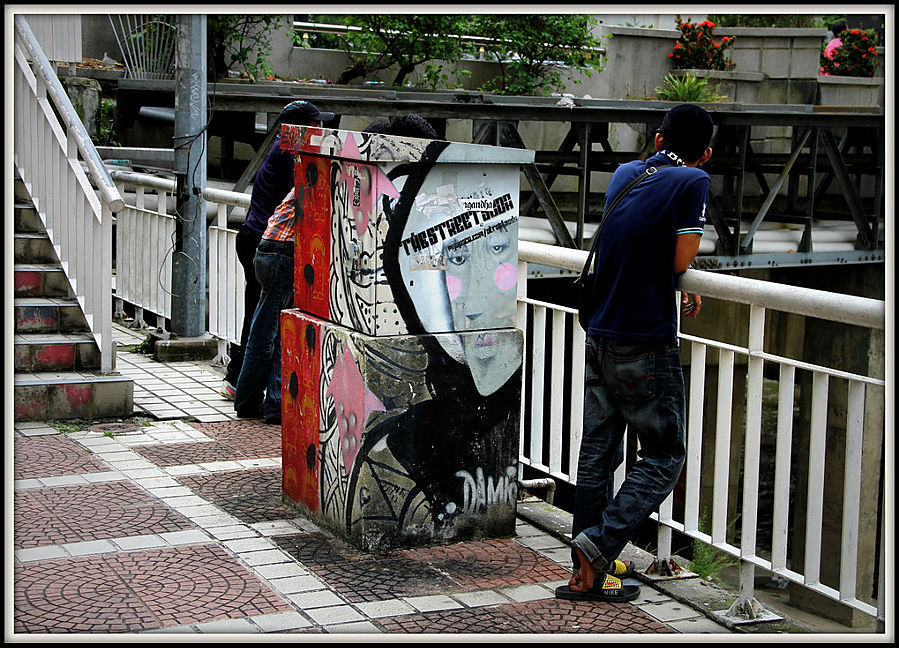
<point x="533" y="51"/>
<point x="404" y="41"/>
<point x="106" y="134"/>
<point x="696" y="48"/>
<point x="436" y="76"/>
<point x="687" y="89"/>
<point x="793" y="21"/>
<point x="244" y="40"/>
<point x="855" y="55"/>
<point x="707" y="560"/>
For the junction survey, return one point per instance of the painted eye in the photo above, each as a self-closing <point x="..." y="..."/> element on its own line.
<point x="459" y="258"/>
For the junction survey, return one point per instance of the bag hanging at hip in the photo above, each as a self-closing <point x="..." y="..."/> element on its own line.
<point x="584" y="283"/>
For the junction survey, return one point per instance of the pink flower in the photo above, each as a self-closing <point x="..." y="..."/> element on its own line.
<point x="831" y="47"/>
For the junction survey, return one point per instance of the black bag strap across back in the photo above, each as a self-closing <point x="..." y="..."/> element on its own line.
<point x="594" y="245"/>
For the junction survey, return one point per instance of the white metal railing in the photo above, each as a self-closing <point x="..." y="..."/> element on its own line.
<point x="49" y="138"/>
<point x="145" y="239"/>
<point x="551" y="441"/>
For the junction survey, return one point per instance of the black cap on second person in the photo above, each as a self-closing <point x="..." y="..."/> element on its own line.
<point x="303" y="112"/>
<point x="687" y="129"/>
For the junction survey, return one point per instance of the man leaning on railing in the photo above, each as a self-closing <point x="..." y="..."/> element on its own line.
<point x="633" y="376"/>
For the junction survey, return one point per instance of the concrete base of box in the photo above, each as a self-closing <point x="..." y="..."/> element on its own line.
<point x="403" y="440"/>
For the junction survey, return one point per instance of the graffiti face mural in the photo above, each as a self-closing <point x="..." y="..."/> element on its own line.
<point x="418" y="366"/>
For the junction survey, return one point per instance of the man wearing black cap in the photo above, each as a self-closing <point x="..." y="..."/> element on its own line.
<point x="633" y="372"/>
<point x="273" y="181"/>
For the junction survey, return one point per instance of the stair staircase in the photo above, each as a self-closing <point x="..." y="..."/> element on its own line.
<point x="57" y="361"/>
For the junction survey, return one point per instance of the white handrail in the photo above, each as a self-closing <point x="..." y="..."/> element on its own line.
<point x="846" y="309"/>
<point x="42" y="68"/>
<point x="77" y="222"/>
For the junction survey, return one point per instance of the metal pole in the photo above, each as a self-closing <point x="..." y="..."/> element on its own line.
<point x="189" y="254"/>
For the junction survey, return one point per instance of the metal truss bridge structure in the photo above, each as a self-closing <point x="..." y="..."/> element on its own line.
<point x="819" y="200"/>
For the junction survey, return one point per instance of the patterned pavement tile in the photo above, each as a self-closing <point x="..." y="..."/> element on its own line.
<point x="490" y="564"/>
<point x="471" y="566"/>
<point x="539" y="617"/>
<point x="52" y="456"/>
<point x="233" y="440"/>
<point x="130" y="592"/>
<point x="95" y="512"/>
<point x="251" y="496"/>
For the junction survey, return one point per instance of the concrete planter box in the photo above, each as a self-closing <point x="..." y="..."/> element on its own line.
<point x="850" y="91"/>
<point x="778" y="53"/>
<point x="757" y="87"/>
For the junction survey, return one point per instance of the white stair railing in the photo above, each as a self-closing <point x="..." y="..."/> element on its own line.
<point x="50" y="146"/>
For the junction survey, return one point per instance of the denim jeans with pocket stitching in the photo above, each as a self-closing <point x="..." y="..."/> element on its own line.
<point x="261" y="369"/>
<point x="641" y="387"/>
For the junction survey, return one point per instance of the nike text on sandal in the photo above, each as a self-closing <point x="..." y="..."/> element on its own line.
<point x="610" y="591"/>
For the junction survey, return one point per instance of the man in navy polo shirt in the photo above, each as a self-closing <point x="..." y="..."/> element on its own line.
<point x="633" y="370"/>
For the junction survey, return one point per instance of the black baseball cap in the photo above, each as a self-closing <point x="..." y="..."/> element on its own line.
<point x="687" y="130"/>
<point x="303" y="112"/>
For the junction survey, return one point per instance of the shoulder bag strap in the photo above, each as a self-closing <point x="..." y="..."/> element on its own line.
<point x="594" y="245"/>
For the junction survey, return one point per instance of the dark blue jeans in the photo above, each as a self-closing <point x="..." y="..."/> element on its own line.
<point x="641" y="387"/>
<point x="247" y="242"/>
<point x="259" y="384"/>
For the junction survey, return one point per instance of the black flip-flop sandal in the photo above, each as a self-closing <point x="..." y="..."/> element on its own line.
<point x="611" y="590"/>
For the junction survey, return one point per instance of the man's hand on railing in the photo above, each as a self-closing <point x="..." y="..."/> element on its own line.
<point x="691" y="304"/>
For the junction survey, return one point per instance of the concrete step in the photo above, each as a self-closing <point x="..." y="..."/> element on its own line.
<point x="44" y="396"/>
<point x="49" y="315"/>
<point x="26" y="219"/>
<point x="55" y="352"/>
<point x="19" y="190"/>
<point x="40" y="280"/>
<point x="31" y="248"/>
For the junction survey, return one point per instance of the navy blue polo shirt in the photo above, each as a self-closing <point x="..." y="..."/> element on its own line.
<point x="273" y="182"/>
<point x="634" y="291"/>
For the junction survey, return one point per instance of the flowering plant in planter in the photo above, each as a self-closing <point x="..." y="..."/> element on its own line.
<point x="853" y="53"/>
<point x="697" y="49"/>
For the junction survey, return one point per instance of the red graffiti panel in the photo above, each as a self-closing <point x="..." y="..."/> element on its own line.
<point x="312" y="254"/>
<point x="300" y="423"/>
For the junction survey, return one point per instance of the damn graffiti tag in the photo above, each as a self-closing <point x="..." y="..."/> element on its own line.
<point x="479" y="495"/>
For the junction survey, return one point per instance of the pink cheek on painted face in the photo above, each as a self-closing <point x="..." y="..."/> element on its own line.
<point x="453" y="286"/>
<point x="506" y="276"/>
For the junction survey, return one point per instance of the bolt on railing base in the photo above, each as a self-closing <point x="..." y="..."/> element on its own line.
<point x="222" y="356"/>
<point x="667" y="570"/>
<point x="747" y="610"/>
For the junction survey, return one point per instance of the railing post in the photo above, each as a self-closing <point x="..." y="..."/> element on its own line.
<point x="523" y="326"/>
<point x="746" y="607"/>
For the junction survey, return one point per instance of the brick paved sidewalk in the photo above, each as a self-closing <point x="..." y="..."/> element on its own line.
<point x="177" y="527"/>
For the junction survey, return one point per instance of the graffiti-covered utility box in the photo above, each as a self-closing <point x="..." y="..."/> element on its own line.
<point x="398" y="234"/>
<point x="401" y="363"/>
<point x="388" y="442"/>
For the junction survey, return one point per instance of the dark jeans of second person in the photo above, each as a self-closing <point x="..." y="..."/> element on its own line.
<point x="261" y="371"/>
<point x="246" y="242"/>
<point x="641" y="387"/>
